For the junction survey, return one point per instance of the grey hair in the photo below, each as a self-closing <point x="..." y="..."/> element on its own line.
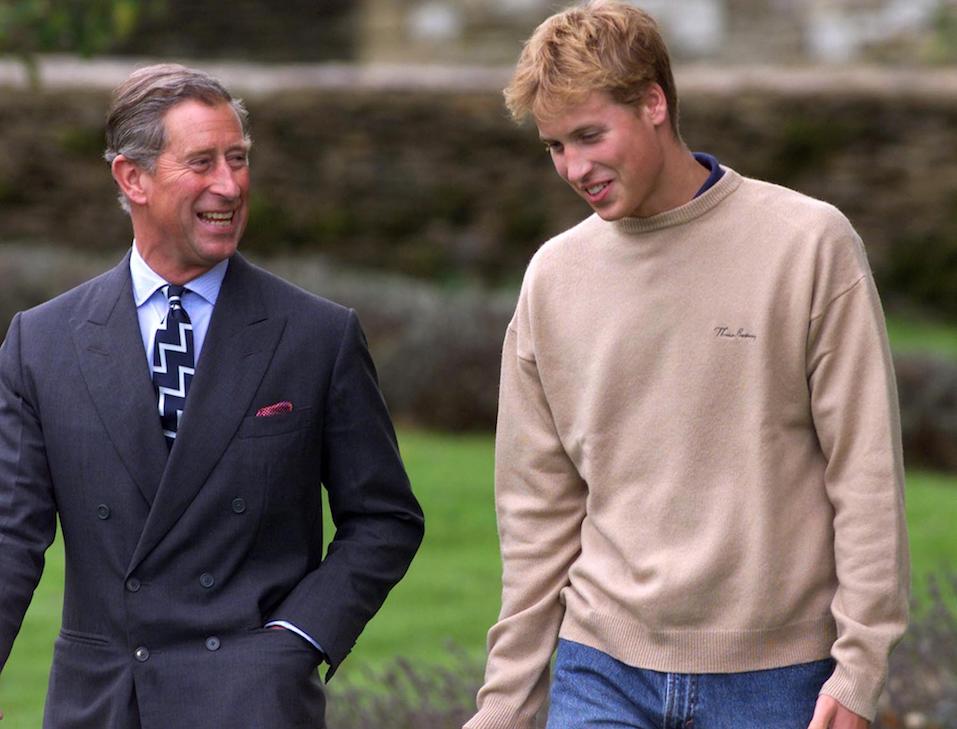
<point x="135" y="124"/>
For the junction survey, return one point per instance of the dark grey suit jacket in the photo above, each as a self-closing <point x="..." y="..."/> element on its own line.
<point x="175" y="561"/>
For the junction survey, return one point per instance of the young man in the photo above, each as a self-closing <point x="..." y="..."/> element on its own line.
<point x="698" y="465"/>
<point x="177" y="414"/>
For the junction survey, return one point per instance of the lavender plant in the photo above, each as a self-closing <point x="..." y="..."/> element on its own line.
<point x="922" y="685"/>
<point x="404" y="696"/>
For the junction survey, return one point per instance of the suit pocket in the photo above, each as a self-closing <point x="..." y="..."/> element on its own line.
<point x="261" y="426"/>
<point x="76" y="636"/>
<point x="293" y="640"/>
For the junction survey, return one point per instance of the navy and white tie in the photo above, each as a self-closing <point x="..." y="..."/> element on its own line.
<point x="173" y="362"/>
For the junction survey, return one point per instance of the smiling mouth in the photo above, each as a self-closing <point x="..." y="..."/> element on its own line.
<point x="596" y="189"/>
<point x="220" y="219"/>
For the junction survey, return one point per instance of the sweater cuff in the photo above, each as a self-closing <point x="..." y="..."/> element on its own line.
<point x="493" y="715"/>
<point x="857" y="693"/>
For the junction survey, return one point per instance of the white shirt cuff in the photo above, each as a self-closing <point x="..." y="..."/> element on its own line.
<point x="297" y="631"/>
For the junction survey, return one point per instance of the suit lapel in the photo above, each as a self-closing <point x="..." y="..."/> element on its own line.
<point x="238" y="348"/>
<point x="109" y="349"/>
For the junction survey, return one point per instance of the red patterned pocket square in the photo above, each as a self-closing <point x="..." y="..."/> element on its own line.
<point x="283" y="406"/>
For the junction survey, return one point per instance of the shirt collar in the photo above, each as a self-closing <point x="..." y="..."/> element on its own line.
<point x="715" y="171"/>
<point x="146" y="281"/>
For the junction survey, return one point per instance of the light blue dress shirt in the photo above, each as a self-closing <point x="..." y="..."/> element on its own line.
<point x="151" y="303"/>
<point x="199" y="301"/>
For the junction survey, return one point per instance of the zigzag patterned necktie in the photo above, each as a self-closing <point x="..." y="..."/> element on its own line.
<point x="173" y="362"/>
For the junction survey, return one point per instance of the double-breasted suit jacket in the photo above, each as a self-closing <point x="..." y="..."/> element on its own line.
<point x="175" y="560"/>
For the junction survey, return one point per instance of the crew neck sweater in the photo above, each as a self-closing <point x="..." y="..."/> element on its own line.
<point x="698" y="460"/>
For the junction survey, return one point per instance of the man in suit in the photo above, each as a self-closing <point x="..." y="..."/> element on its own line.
<point x="178" y="414"/>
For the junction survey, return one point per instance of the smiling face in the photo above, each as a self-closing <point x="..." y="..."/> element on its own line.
<point x="192" y="208"/>
<point x="614" y="156"/>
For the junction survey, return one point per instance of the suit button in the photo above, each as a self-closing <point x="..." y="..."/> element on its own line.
<point x="103" y="511"/>
<point x="141" y="654"/>
<point x="207" y="580"/>
<point x="212" y="643"/>
<point x="133" y="584"/>
<point x="239" y="506"/>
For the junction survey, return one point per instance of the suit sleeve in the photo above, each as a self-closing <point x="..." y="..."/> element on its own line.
<point x="27" y="508"/>
<point x="378" y="522"/>
<point x="855" y="410"/>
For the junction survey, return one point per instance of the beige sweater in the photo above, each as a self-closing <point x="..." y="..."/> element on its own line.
<point x="698" y="461"/>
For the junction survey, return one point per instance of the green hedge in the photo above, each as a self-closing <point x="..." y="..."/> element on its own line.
<point x="441" y="185"/>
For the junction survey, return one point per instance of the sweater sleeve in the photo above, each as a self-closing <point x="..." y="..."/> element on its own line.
<point x="855" y="410"/>
<point x="540" y="504"/>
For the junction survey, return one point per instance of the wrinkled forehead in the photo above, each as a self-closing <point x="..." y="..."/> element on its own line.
<point x="193" y="124"/>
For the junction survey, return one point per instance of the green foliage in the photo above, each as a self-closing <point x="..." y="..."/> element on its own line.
<point x="451" y="592"/>
<point x="926" y="268"/>
<point x="931" y="515"/>
<point x="34" y="26"/>
<point x="927" y="387"/>
<point x="406" y="694"/>
<point x="441" y="187"/>
<point x="807" y="141"/>
<point x="941" y="47"/>
<point x="922" y="685"/>
<point x="29" y="27"/>
<point x="914" y="334"/>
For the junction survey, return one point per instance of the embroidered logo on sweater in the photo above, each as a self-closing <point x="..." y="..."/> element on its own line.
<point x="729" y="333"/>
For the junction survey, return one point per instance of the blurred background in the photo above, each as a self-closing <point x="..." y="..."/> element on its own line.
<point x="387" y="176"/>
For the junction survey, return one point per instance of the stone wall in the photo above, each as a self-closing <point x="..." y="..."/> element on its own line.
<point x="492" y="31"/>
<point x="735" y="31"/>
<point x="437" y="183"/>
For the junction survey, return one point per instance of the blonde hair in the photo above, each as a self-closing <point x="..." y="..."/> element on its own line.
<point x="600" y="45"/>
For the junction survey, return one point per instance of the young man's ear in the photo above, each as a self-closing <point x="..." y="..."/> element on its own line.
<point x="130" y="178"/>
<point x="655" y="104"/>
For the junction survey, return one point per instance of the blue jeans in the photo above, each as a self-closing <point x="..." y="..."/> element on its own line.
<point x="592" y="690"/>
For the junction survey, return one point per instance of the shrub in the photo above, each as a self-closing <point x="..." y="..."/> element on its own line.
<point x="438" y="350"/>
<point x="34" y="274"/>
<point x="921" y="689"/>
<point x="439" y="184"/>
<point x="402" y="696"/>
<point x="928" y="394"/>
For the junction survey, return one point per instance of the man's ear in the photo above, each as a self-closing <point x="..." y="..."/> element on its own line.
<point x="130" y="178"/>
<point x="655" y="104"/>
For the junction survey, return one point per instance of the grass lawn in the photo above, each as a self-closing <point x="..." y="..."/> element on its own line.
<point x="452" y="589"/>
<point x="931" y="516"/>
<point x="912" y="335"/>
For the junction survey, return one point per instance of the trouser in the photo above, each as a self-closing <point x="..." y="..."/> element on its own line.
<point x="592" y="690"/>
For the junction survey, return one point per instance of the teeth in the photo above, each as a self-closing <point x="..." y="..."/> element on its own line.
<point x="217" y="218"/>
<point x="595" y="189"/>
